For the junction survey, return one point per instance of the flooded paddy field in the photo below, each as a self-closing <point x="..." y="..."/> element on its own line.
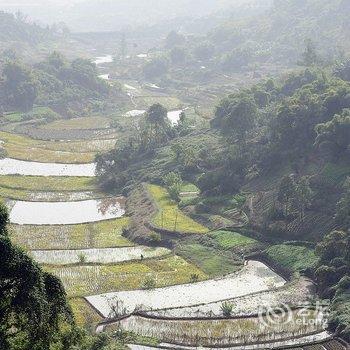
<point x="254" y="277"/>
<point x="66" y="213"/>
<point x="10" y="166"/>
<point x="295" y="293"/>
<point x="101" y="255"/>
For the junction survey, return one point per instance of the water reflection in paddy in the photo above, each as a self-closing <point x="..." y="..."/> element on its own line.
<point x="103" y="59"/>
<point x="9" y="166"/>
<point x="66" y="213"/>
<point x="174" y="116"/>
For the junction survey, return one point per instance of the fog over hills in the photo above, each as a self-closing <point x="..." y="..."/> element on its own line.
<point x="110" y="15"/>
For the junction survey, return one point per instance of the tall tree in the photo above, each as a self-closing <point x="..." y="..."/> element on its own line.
<point x="20" y="88"/>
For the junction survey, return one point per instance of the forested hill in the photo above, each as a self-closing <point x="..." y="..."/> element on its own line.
<point x="16" y="28"/>
<point x="281" y="33"/>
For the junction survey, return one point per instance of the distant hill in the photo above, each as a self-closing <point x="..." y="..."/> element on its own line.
<point x="114" y="15"/>
<point x="15" y="28"/>
<point x="280" y="34"/>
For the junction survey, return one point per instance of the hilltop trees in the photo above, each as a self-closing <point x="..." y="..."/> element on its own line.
<point x="157" y="129"/>
<point x="156" y="68"/>
<point x="236" y="116"/>
<point x="151" y="133"/>
<point x="174" y="39"/>
<point x="54" y="82"/>
<point x="310" y="56"/>
<point x="333" y="137"/>
<point x="342" y="214"/>
<point x="20" y="87"/>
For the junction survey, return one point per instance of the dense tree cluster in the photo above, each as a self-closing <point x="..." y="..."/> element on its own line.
<point x="152" y="132"/>
<point x="307" y="33"/>
<point x="54" y="82"/>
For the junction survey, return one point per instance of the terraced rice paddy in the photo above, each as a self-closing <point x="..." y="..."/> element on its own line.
<point x="170" y="103"/>
<point x="103" y="59"/>
<point x="62" y="220"/>
<point x="97" y="279"/>
<point x="78" y="123"/>
<point x="39" y="183"/>
<point x="169" y="216"/>
<point x="254" y="277"/>
<point x="101" y="255"/>
<point x="66" y="213"/>
<point x="29" y="149"/>
<point x="135" y="113"/>
<point x="104" y="234"/>
<point x="295" y="294"/>
<point x="318" y="341"/>
<point x="221" y="332"/>
<point x="39" y="188"/>
<point x="9" y="166"/>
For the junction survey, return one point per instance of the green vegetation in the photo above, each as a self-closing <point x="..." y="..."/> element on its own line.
<point x="88" y="280"/>
<point x="37" y="113"/>
<point x="227" y="240"/>
<point x="189" y="187"/>
<point x="170" y="216"/>
<point x="74" y="86"/>
<point x="51" y="188"/>
<point x="272" y="159"/>
<point x="333" y="279"/>
<point x="213" y="262"/>
<point x="25" y="148"/>
<point x="47" y="183"/>
<point x="33" y="304"/>
<point x="292" y="257"/>
<point x="79" y="123"/>
<point x="84" y="314"/>
<point x="336" y="173"/>
<point x="105" y="234"/>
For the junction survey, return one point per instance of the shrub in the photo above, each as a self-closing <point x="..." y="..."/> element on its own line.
<point x="227" y="309"/>
<point x="155" y="237"/>
<point x="149" y="283"/>
<point x="194" y="278"/>
<point x="82" y="258"/>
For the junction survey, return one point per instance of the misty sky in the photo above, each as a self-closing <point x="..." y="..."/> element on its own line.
<point x="109" y="15"/>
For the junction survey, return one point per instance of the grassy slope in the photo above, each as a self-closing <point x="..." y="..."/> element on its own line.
<point x="213" y="262"/>
<point x="170" y="216"/>
<point x="294" y="258"/>
<point x="228" y="240"/>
